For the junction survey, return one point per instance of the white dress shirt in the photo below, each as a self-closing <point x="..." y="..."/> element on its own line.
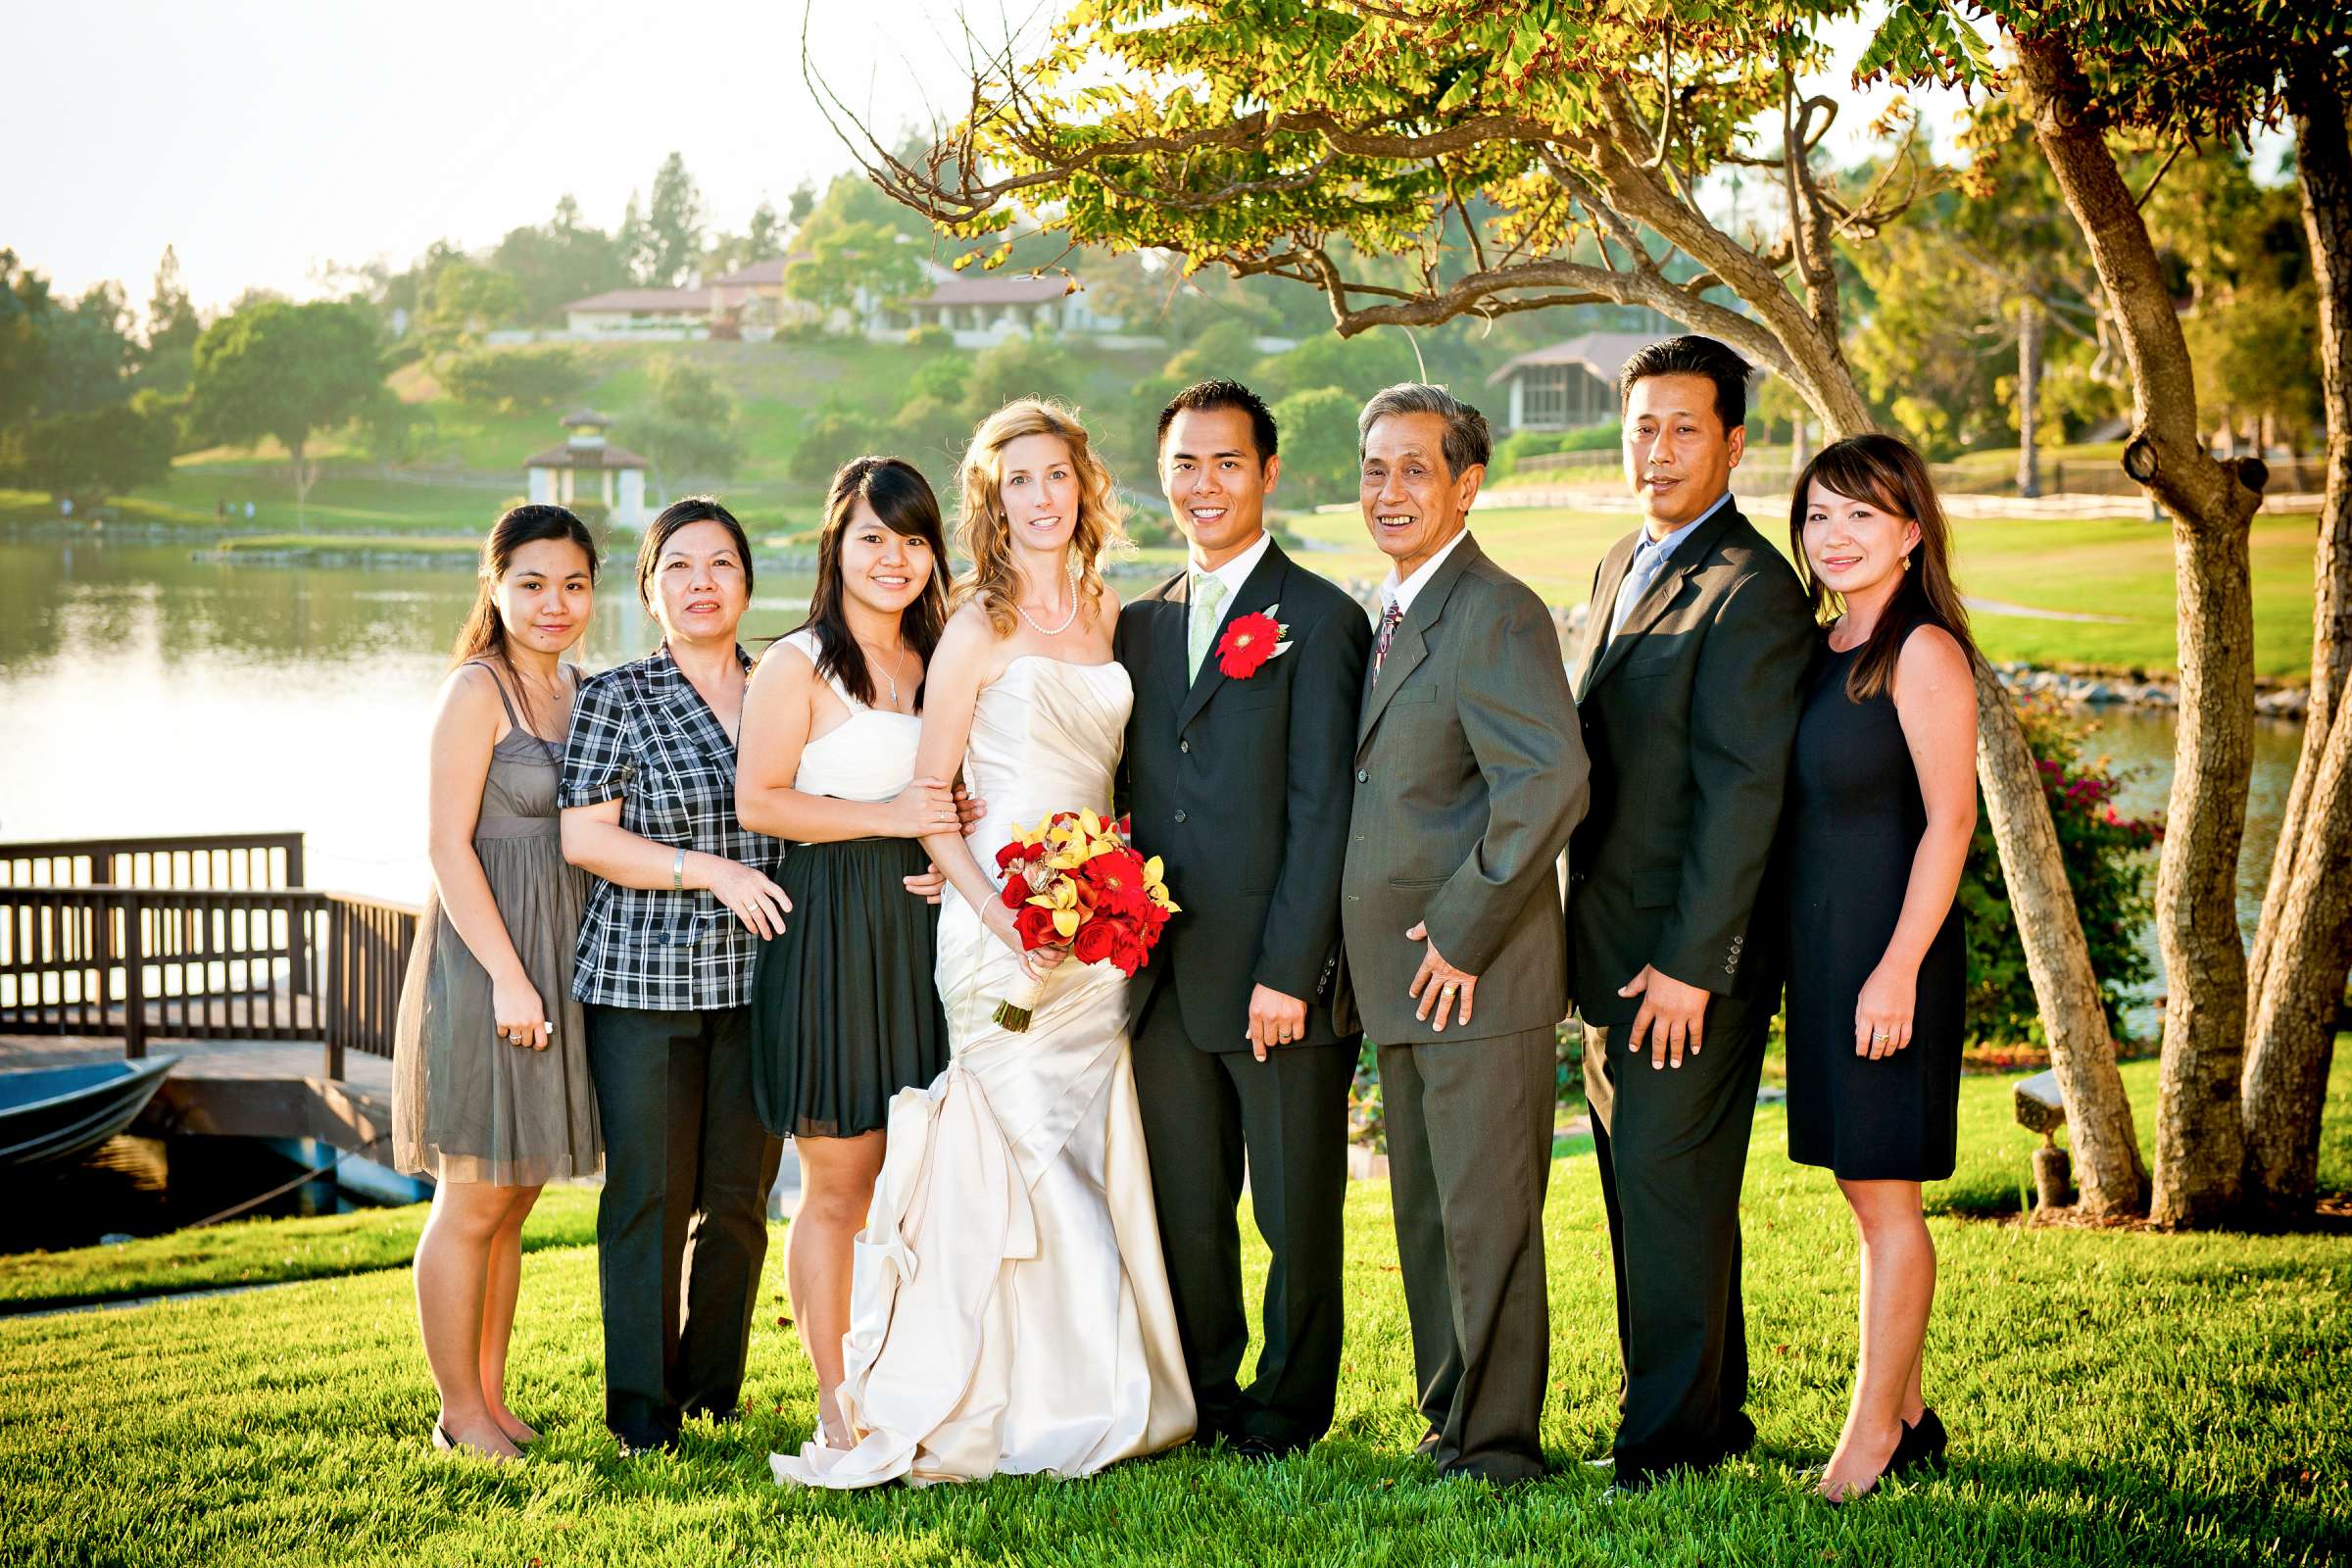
<point x="1402" y="594"/>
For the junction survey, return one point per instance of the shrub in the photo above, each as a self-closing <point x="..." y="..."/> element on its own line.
<point x="930" y="335"/>
<point x="1318" y="445"/>
<point x="515" y="379"/>
<point x="830" y="438"/>
<point x="2107" y="864"/>
<point x="1516" y="448"/>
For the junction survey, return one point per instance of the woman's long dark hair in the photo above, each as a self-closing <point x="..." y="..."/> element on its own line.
<point x="1884" y="471"/>
<point x="484" y="635"/>
<point x="901" y="497"/>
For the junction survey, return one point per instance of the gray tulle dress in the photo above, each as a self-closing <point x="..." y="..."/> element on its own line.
<point x="468" y="1106"/>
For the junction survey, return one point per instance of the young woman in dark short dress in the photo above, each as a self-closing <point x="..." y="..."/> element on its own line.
<point x="844" y="1012"/>
<point x="1882" y="800"/>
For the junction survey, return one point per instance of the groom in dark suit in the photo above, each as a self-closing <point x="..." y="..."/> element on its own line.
<point x="1687" y="675"/>
<point x="1469" y="776"/>
<point x="1236" y="774"/>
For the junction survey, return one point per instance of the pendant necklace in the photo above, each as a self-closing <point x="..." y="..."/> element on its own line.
<point x="1066" y="621"/>
<point x="889" y="677"/>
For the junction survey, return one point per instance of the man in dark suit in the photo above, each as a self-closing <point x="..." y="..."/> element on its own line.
<point x="1688" y="686"/>
<point x="1469" y="777"/>
<point x="1236" y="774"/>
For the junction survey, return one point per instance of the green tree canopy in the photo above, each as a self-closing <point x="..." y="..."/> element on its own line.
<point x="285" y="372"/>
<point x="94" y="454"/>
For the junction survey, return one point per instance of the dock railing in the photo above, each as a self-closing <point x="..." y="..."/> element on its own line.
<point x="204" y="938"/>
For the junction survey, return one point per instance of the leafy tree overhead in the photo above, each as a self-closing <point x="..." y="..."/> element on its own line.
<point x="288" y="373"/>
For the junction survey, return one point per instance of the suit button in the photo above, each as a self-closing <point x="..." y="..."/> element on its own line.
<point x="1179" y="817"/>
<point x="1184" y="746"/>
<point x="1362" y="777"/>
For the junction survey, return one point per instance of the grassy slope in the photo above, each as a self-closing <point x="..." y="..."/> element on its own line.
<point x="2115" y="1397"/>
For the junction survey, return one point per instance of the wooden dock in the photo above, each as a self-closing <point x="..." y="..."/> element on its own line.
<point x="242" y="1089"/>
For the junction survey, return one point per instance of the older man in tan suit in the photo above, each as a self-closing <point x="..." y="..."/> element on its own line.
<point x="1470" y="775"/>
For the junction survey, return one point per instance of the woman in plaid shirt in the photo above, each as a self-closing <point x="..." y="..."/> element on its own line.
<point x="680" y="903"/>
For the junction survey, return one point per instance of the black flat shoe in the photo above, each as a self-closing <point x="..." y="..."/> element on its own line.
<point x="1922" y="1446"/>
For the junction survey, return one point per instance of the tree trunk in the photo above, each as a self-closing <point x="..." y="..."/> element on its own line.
<point x="2304" y="944"/>
<point x="2200" y="1138"/>
<point x="2028" y="397"/>
<point x="2098" y="1115"/>
<point x="302" y="484"/>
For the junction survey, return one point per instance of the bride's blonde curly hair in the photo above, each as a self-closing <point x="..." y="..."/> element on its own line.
<point x="983" y="532"/>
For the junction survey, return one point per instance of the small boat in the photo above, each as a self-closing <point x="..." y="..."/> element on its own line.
<point x="51" y="1113"/>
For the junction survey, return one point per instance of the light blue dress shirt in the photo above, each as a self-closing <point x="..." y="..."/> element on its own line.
<point x="1649" y="558"/>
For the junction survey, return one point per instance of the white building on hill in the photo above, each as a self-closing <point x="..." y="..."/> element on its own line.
<point x="1573" y="384"/>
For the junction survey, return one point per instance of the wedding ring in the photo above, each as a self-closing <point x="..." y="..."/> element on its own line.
<point x="1878" y="1034"/>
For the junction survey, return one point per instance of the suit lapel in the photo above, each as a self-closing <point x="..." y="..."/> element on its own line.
<point x="1171" y="609"/>
<point x="1612" y="578"/>
<point x="1660" y="594"/>
<point x="1263" y="587"/>
<point x="1410" y="645"/>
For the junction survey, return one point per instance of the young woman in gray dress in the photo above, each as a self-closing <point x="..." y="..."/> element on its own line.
<point x="1882" y="800"/>
<point x="491" y="1095"/>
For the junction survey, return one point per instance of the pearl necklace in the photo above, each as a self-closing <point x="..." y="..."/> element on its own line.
<point x="1066" y="621"/>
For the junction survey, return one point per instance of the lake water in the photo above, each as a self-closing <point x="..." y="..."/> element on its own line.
<point x="148" y="693"/>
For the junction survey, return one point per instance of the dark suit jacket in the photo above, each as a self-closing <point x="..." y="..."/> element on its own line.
<point x="1241" y="786"/>
<point x="1469" y="778"/>
<point x="1689" y="714"/>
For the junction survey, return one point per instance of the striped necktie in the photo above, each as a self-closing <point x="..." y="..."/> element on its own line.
<point x="1390" y="618"/>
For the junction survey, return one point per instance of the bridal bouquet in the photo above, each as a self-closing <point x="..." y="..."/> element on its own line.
<point x="1076" y="881"/>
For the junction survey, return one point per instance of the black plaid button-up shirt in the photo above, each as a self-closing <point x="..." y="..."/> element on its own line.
<point x="642" y="734"/>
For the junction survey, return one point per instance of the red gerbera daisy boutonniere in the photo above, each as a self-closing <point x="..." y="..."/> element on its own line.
<point x="1250" y="641"/>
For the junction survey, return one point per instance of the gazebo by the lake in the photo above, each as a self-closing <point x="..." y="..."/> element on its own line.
<point x="588" y="467"/>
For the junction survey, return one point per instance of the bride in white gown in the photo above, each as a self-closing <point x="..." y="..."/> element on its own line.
<point x="1011" y="1309"/>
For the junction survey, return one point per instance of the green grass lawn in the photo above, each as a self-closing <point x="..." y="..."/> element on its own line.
<point x="2097" y="567"/>
<point x="2114" y="1398"/>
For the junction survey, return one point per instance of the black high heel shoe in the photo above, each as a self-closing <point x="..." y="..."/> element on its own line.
<point x="1922" y="1446"/>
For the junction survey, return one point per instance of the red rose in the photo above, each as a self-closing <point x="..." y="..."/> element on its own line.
<point x="1095" y="940"/>
<point x="1010" y="856"/>
<point x="1248" y="644"/>
<point x="1035" y="924"/>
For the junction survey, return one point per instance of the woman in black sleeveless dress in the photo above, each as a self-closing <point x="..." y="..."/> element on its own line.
<point x="1881" y="804"/>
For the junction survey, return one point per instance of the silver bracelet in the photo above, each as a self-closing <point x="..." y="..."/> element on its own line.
<point x="677" y="873"/>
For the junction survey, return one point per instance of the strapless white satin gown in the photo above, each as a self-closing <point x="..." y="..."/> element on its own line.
<point x="1009" y="1310"/>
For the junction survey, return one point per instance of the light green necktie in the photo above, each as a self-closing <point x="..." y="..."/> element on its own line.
<point x="1208" y="596"/>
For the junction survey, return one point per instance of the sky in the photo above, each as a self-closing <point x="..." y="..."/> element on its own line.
<point x="265" y="139"/>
